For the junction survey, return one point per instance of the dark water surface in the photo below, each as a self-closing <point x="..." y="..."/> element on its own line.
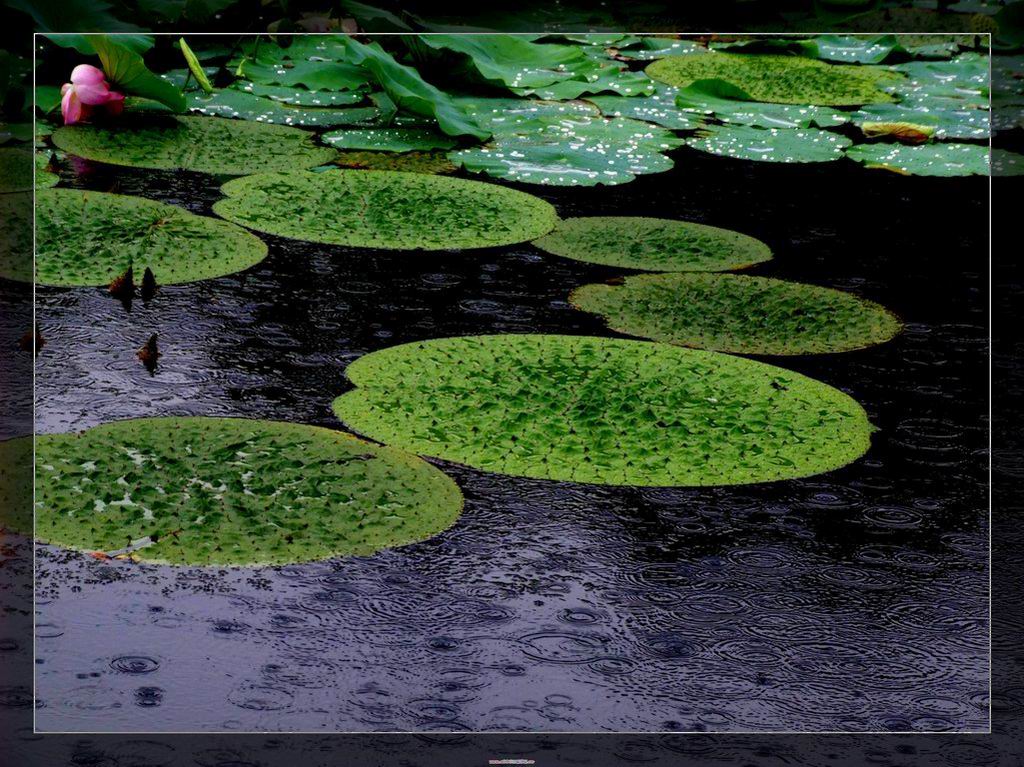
<point x="855" y="600"/>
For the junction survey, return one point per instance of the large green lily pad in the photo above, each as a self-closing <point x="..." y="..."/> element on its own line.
<point x="90" y="238"/>
<point x="385" y="209"/>
<point x="777" y="78"/>
<point x="600" y="410"/>
<point x="15" y="170"/>
<point x="207" y="144"/>
<point x="738" y="313"/>
<point x="659" y="108"/>
<point x="771" y="144"/>
<point x="232" y="491"/>
<point x="728" y="105"/>
<point x="16" y="236"/>
<point x="16" y="485"/>
<point x="925" y="160"/>
<point x="653" y="244"/>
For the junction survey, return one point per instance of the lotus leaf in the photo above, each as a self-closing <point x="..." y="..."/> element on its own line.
<point x="653" y="244"/>
<point x="738" y="313"/>
<point x="15" y="170"/>
<point x="45" y="178"/>
<point x="90" y="238"/>
<point x="315" y="75"/>
<point x="729" y="105"/>
<point x="608" y="78"/>
<point x="412" y="162"/>
<point x="924" y="160"/>
<point x="659" y="108"/>
<point x="945" y="123"/>
<point x="770" y="145"/>
<point x="384" y="209"/>
<point x="16" y="236"/>
<point x="570" y="151"/>
<point x="207" y="144"/>
<point x="389" y="139"/>
<point x="16" y="485"/>
<point x="963" y="81"/>
<point x="300" y="97"/>
<point x="777" y="78"/>
<point x="601" y="410"/>
<point x="232" y="491"/>
<point x="248" y="106"/>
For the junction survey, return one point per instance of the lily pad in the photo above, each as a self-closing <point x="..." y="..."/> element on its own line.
<point x="248" y="106"/>
<point x="653" y="244"/>
<point x="945" y="123"/>
<point x="389" y="139"/>
<point x="90" y="238"/>
<point x="384" y="209"/>
<point x="602" y="411"/>
<point x="15" y="170"/>
<point x="963" y="81"/>
<point x="925" y="160"/>
<point x="777" y="78"/>
<point x="608" y="78"/>
<point x="659" y="108"/>
<point x="16" y="236"/>
<point x="300" y="97"/>
<point x="16" y="485"/>
<point x="207" y="144"/>
<point x="582" y="151"/>
<point x="771" y="144"/>
<point x="45" y="178"/>
<point x="232" y="491"/>
<point x="738" y="313"/>
<point x="412" y="162"/>
<point x="729" y="105"/>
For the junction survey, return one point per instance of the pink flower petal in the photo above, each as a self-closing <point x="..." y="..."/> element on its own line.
<point x="71" y="107"/>
<point x="115" y="104"/>
<point x="65" y="88"/>
<point x="93" y="94"/>
<point x="86" y="74"/>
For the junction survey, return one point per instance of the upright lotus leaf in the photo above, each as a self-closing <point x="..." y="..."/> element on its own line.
<point x="389" y="139"/>
<point x="207" y="144"/>
<point x="240" y="105"/>
<point x="383" y="209"/>
<point x="779" y="79"/>
<point x="602" y="410"/>
<point x="925" y="160"/>
<point x="410" y="91"/>
<point x="195" y="67"/>
<point x="571" y="151"/>
<point x="963" y="81"/>
<point x="730" y="105"/>
<point x="128" y="73"/>
<point x="653" y="244"/>
<point x="945" y="123"/>
<point x="738" y="314"/>
<point x="90" y="238"/>
<point x="15" y="170"/>
<point x="770" y="145"/>
<point x="513" y="61"/>
<point x="300" y="97"/>
<point x="659" y="108"/>
<point x="232" y="491"/>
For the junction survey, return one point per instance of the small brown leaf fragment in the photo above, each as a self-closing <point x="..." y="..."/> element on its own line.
<point x="149" y="353"/>
<point x="905" y="133"/>
<point x="149" y="285"/>
<point x="124" y="286"/>
<point x="101" y="555"/>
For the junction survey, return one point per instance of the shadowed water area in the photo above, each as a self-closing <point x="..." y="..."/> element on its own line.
<point x="855" y="600"/>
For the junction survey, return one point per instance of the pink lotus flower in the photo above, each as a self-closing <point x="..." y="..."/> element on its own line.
<point x="88" y="89"/>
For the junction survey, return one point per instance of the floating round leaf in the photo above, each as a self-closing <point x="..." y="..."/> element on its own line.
<point x="778" y="79"/>
<point x="385" y="209"/>
<point x="771" y="144"/>
<point x="389" y="139"/>
<point x="16" y="236"/>
<point x="925" y="160"/>
<point x="15" y="170"/>
<point x="90" y="238"/>
<point x="738" y="313"/>
<point x="207" y="144"/>
<point x="600" y="410"/>
<point x="243" y="105"/>
<point x="16" y="485"/>
<point x="653" y="244"/>
<point x="231" y="491"/>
